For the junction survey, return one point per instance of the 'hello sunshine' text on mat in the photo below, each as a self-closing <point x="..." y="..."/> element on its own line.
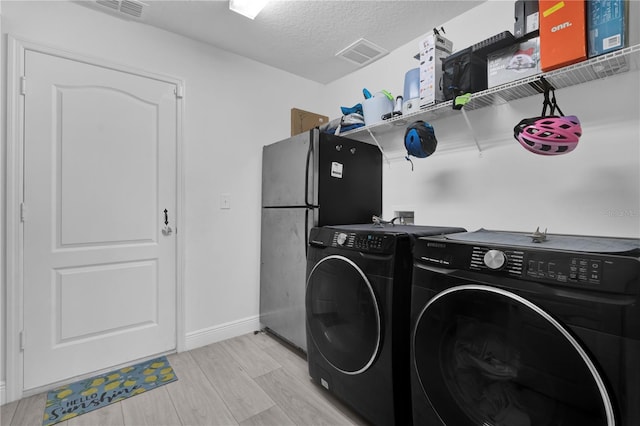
<point x="87" y="395"/>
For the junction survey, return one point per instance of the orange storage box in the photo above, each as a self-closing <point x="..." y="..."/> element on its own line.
<point x="563" y="33"/>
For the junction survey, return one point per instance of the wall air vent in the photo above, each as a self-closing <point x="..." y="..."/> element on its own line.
<point x="362" y="52"/>
<point x="124" y="8"/>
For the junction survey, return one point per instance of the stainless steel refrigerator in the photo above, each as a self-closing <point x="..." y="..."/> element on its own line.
<point x="312" y="179"/>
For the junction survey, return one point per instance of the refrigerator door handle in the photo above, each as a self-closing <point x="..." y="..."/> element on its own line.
<point x="306" y="233"/>
<point x="306" y="174"/>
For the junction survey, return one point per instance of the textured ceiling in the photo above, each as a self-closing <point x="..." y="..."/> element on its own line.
<point x="303" y="36"/>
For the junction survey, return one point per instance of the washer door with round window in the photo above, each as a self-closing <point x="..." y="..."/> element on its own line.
<point x="343" y="314"/>
<point x="487" y="356"/>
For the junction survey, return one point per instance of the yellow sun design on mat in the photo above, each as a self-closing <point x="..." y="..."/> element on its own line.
<point x="167" y="377"/>
<point x="65" y="393"/>
<point x="98" y="381"/>
<point x="112" y="385"/>
<point x="89" y="391"/>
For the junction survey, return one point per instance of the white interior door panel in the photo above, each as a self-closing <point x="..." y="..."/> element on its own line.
<point x="99" y="171"/>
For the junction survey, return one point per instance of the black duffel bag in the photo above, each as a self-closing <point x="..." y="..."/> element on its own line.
<point x="463" y="72"/>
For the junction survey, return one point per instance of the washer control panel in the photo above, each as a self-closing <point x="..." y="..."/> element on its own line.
<point x="360" y="241"/>
<point x="538" y="265"/>
<point x="365" y="241"/>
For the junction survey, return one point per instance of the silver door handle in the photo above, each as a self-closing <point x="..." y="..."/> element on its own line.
<point x="166" y="230"/>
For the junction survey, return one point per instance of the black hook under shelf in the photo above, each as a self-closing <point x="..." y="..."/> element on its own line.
<point x="541" y="85"/>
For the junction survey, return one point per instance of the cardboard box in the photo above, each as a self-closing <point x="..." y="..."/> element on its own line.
<point x="301" y="121"/>
<point x="513" y="63"/>
<point x="606" y="23"/>
<point x="433" y="49"/>
<point x="563" y="29"/>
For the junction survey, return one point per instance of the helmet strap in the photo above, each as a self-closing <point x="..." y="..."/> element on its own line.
<point x="550" y="102"/>
<point x="555" y="105"/>
<point x="409" y="160"/>
<point x="547" y="103"/>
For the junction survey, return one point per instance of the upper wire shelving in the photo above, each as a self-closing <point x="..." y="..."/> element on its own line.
<point x="389" y="131"/>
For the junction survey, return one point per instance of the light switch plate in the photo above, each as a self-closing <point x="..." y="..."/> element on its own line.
<point x="225" y="201"/>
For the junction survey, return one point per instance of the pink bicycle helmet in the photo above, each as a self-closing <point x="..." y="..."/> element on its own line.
<point x="549" y="134"/>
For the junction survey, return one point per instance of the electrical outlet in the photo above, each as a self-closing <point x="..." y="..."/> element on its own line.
<point x="406" y="217"/>
<point x="225" y="201"/>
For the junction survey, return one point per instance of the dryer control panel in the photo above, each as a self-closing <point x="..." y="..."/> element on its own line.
<point x="585" y="269"/>
<point x="597" y="271"/>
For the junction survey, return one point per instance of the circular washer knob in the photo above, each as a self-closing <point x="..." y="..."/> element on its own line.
<point x="495" y="259"/>
<point x="342" y="238"/>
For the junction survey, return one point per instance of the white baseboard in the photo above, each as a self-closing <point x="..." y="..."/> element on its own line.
<point x="3" y="395"/>
<point x="207" y="336"/>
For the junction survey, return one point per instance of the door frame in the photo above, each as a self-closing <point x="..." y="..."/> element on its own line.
<point x="14" y="277"/>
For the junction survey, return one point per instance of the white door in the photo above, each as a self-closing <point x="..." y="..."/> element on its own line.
<point x="99" y="171"/>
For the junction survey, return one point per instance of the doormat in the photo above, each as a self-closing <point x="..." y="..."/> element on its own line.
<point x="96" y="392"/>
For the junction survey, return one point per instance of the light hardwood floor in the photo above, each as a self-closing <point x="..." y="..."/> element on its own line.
<point x="249" y="380"/>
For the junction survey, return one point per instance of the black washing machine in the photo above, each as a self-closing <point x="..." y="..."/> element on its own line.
<point x="357" y="310"/>
<point x="525" y="330"/>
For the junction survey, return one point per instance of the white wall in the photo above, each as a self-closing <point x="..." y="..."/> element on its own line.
<point x="594" y="190"/>
<point x="225" y="127"/>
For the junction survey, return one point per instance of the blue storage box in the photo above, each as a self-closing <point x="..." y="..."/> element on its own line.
<point x="606" y="26"/>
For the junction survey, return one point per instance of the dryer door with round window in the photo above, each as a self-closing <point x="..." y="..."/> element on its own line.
<point x="486" y="356"/>
<point x="343" y="314"/>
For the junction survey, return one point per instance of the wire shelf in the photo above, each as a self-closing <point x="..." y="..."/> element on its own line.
<point x="621" y="61"/>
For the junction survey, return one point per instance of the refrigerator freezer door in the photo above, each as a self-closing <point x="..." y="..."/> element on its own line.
<point x="284" y="172"/>
<point x="349" y="181"/>
<point x="283" y="272"/>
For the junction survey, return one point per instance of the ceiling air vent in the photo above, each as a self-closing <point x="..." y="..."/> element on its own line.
<point x="133" y="8"/>
<point x="111" y="4"/>
<point x="362" y="52"/>
<point x="129" y="8"/>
